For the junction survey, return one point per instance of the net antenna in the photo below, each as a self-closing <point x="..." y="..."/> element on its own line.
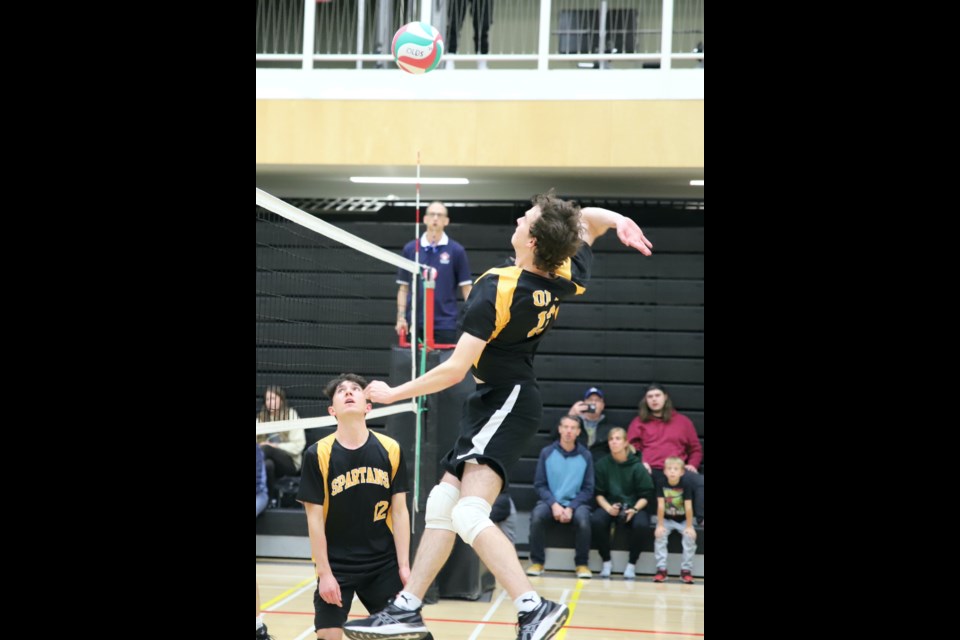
<point x="424" y="344"/>
<point x="288" y="211"/>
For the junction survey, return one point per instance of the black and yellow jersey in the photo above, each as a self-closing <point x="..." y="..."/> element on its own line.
<point x="355" y="488"/>
<point x="512" y="309"/>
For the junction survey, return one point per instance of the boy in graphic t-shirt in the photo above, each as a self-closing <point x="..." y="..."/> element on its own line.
<point x="674" y="513"/>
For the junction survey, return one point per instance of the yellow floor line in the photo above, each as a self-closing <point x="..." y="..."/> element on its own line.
<point x="572" y="605"/>
<point x="283" y="595"/>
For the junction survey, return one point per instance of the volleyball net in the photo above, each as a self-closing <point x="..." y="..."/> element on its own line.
<point x="310" y="288"/>
<point x="320" y="314"/>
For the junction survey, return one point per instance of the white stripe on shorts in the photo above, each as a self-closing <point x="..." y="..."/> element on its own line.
<point x="482" y="439"/>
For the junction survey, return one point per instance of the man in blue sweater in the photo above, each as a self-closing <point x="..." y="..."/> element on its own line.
<point x="449" y="259"/>
<point x="564" y="481"/>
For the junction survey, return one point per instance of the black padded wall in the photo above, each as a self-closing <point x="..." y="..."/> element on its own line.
<point x="641" y="319"/>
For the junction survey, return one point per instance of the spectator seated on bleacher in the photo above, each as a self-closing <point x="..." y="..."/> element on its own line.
<point x="624" y="488"/>
<point x="659" y="432"/>
<point x="261" y="483"/>
<point x="589" y="412"/>
<point x="283" y="451"/>
<point x="564" y="482"/>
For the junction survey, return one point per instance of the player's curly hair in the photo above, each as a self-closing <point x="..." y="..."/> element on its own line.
<point x="331" y="387"/>
<point x="557" y="231"/>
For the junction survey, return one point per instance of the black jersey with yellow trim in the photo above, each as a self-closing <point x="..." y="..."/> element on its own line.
<point x="512" y="309"/>
<point x="355" y="487"/>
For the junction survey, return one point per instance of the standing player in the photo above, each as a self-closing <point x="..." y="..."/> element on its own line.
<point x="353" y="485"/>
<point x="509" y="311"/>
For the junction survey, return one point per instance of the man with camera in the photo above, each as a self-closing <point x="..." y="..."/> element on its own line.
<point x="564" y="481"/>
<point x="624" y="488"/>
<point x="589" y="412"/>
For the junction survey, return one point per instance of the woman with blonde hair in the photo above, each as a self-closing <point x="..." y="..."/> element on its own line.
<point x="623" y="489"/>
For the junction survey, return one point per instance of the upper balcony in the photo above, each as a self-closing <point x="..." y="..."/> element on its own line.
<point x="535" y="49"/>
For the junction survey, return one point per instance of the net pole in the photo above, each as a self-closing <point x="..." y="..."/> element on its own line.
<point x="413" y="367"/>
<point x="428" y="291"/>
<point x="414" y="282"/>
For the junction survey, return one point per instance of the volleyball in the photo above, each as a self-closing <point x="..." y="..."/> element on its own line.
<point x="417" y="47"/>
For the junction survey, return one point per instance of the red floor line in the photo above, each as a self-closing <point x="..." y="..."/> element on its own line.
<point x="569" y="626"/>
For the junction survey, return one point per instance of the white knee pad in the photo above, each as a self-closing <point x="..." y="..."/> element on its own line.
<point x="440" y="503"/>
<point x="470" y="517"/>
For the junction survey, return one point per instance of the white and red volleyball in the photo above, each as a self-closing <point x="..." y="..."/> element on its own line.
<point x="417" y="47"/>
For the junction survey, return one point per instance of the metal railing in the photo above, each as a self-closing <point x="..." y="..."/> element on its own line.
<point x="541" y="34"/>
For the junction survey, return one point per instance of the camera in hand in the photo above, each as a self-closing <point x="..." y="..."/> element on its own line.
<point x="622" y="516"/>
<point x="591" y="408"/>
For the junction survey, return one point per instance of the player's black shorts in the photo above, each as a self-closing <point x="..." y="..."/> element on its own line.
<point x="374" y="590"/>
<point x="497" y="423"/>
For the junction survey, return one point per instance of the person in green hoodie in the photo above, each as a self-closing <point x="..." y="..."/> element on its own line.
<point x="623" y="490"/>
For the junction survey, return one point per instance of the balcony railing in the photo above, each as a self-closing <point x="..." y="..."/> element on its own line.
<point x="522" y="34"/>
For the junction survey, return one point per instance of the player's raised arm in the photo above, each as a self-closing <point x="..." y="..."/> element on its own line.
<point x="437" y="379"/>
<point x="595" y="221"/>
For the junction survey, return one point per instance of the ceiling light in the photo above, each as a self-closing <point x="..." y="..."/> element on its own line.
<point x="376" y="180"/>
<point x="696" y="183"/>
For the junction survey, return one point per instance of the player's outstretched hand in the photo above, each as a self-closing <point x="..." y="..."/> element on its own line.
<point x="631" y="235"/>
<point x="379" y="392"/>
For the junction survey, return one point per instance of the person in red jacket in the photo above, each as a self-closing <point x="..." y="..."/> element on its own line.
<point x="661" y="432"/>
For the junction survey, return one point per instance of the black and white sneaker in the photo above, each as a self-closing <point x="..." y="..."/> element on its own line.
<point x="543" y="622"/>
<point x="392" y="623"/>
<point x="262" y="633"/>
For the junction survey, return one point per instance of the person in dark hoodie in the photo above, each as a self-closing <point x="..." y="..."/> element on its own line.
<point x="624" y="488"/>
<point x="564" y="481"/>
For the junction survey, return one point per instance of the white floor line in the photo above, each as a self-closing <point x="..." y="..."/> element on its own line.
<point x="564" y="596"/>
<point x="311" y="630"/>
<point x="489" y="614"/>
<point x="309" y="633"/>
<point x="640" y="605"/>
<point x="307" y="587"/>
